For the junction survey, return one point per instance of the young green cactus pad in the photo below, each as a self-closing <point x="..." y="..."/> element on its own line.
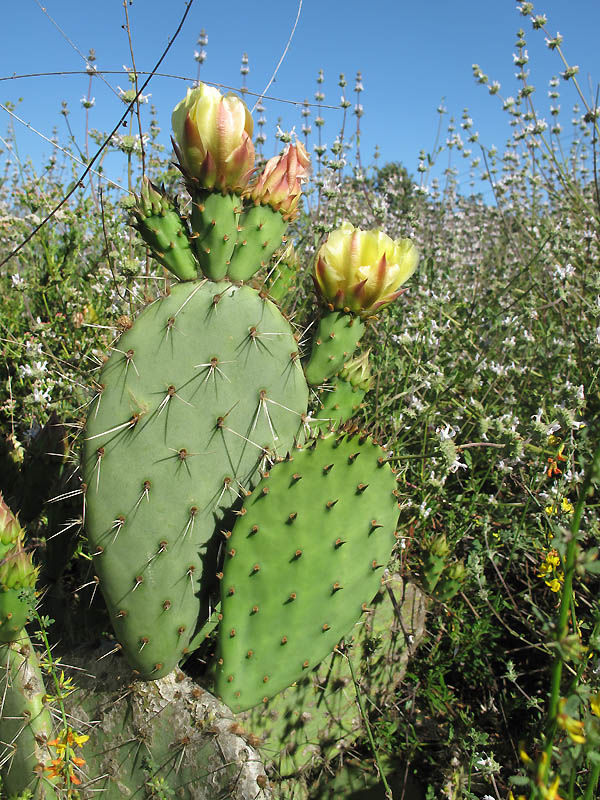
<point x="202" y="390"/>
<point x="165" y="738"/>
<point x="341" y="398"/>
<point x="317" y="718"/>
<point x="336" y="339"/>
<point x="164" y="231"/>
<point x="25" y="723"/>
<point x="305" y="557"/>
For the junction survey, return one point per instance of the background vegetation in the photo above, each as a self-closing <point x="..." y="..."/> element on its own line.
<point x="486" y="392"/>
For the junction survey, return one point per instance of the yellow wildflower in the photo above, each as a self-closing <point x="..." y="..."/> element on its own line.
<point x="595" y="704"/>
<point x="550" y="571"/>
<point x="573" y="727"/>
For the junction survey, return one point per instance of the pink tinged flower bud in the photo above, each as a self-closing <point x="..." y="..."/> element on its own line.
<point x="10" y="530"/>
<point x="213" y="135"/>
<point x="362" y="271"/>
<point x="280" y="184"/>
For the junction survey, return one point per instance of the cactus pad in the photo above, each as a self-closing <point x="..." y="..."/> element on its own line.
<point x="214" y="222"/>
<point x="202" y="389"/>
<point x="317" y="718"/>
<point x="304" y="559"/>
<point x="260" y="231"/>
<point x="335" y="341"/>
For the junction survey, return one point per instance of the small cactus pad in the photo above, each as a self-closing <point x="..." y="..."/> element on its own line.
<point x="202" y="390"/>
<point x="339" y="401"/>
<point x="214" y="222"/>
<point x="164" y="231"/>
<point x="306" y="556"/>
<point x="260" y="231"/>
<point x="336" y="339"/>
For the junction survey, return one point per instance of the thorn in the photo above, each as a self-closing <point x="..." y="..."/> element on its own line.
<point x="255" y="609"/>
<point x="220" y="576"/>
<point x="229" y="678"/>
<point x="115" y="649"/>
<point x="375" y="565"/>
<point x="297" y="554"/>
<point x="361" y="487"/>
<point x="296" y="476"/>
<point x="121" y="613"/>
<point x="250" y="653"/>
<point x="143" y="642"/>
<point x="325" y="627"/>
<point x="292" y="516"/>
<point x="256" y="568"/>
<point x="339" y="542"/>
<point x="352" y="457"/>
<point x="166" y="605"/>
<point x="232" y="633"/>
<point x="327" y="468"/>
<point x="138" y="579"/>
<point x="265" y="490"/>
<point x="336" y="587"/>
<point x="292" y="596"/>
<point x="284" y="640"/>
<point x="375" y="525"/>
<point x="231" y="591"/>
<point x="365" y="608"/>
<point x="305" y="665"/>
<point x="253" y="530"/>
<point x="331" y="504"/>
<point x="232" y="552"/>
<point x="265" y="679"/>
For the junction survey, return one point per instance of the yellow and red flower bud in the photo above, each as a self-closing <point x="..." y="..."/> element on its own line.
<point x="280" y="183"/>
<point x="361" y="271"/>
<point x="213" y="135"/>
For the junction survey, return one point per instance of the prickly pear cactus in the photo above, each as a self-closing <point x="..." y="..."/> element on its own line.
<point x="25" y="722"/>
<point x="305" y="558"/>
<point x="317" y="719"/>
<point x="341" y="398"/>
<point x="158" y="739"/>
<point x="203" y="389"/>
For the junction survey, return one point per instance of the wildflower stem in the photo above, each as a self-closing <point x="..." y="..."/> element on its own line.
<point x="58" y="689"/>
<point x="590" y="790"/>
<point x="388" y="791"/>
<point x="563" y="616"/>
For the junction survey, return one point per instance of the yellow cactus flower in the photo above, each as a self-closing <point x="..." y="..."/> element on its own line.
<point x="280" y="183"/>
<point x="213" y="135"/>
<point x="361" y="271"/>
<point x="595" y="704"/>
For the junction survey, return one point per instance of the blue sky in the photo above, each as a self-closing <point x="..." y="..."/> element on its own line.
<point x="411" y="55"/>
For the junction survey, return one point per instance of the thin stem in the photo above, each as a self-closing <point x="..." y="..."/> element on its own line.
<point x="563" y="615"/>
<point x="388" y="791"/>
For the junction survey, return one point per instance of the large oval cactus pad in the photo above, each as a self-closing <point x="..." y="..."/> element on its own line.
<point x="196" y="396"/>
<point x="303" y="561"/>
